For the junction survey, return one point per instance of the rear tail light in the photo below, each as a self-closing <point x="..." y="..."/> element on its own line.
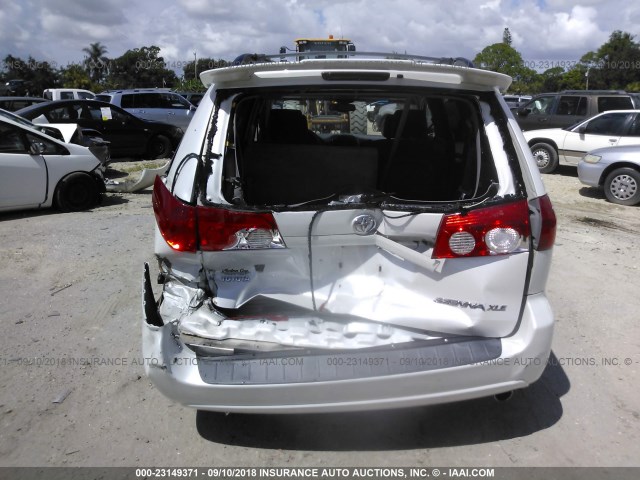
<point x="546" y="236"/>
<point x="220" y="229"/>
<point x="187" y="228"/>
<point x="497" y="230"/>
<point x="176" y="220"/>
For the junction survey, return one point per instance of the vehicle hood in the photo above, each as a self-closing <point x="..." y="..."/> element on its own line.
<point x="629" y="153"/>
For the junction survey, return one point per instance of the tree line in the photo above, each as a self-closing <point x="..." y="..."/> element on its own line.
<point x="136" y="68"/>
<point x="613" y="66"/>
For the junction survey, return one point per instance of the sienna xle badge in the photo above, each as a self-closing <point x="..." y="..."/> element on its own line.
<point x="310" y="264"/>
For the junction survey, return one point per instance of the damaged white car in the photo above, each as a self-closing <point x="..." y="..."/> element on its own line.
<point x="307" y="266"/>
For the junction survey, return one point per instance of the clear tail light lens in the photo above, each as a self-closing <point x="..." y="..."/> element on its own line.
<point x="462" y="243"/>
<point x="496" y="230"/>
<point x="502" y="240"/>
<point x="188" y="228"/>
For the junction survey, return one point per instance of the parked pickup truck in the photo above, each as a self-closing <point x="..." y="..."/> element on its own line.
<point x="566" y="108"/>
<point x="68" y="94"/>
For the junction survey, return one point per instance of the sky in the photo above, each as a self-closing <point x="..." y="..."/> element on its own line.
<point x="545" y="32"/>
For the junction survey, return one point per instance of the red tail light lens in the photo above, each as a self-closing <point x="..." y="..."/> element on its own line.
<point x="547" y="235"/>
<point x="497" y="230"/>
<point x="176" y="220"/>
<point x="186" y="228"/>
<point x="221" y="229"/>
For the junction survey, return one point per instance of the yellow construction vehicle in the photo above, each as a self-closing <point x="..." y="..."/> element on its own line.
<point x="327" y="116"/>
<point x="321" y="45"/>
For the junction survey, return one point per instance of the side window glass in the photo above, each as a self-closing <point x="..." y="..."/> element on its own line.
<point x="611" y="124"/>
<point x="571" y="105"/>
<point x="619" y="102"/>
<point x="66" y="95"/>
<point x="95" y="112"/>
<point x="128" y="101"/>
<point x="118" y="116"/>
<point x="176" y="102"/>
<point x="541" y="105"/>
<point x="634" y="131"/>
<point x="59" y="113"/>
<point x="582" y="106"/>
<point x="73" y="112"/>
<point x="11" y="140"/>
<point x="148" y="100"/>
<point x="50" y="148"/>
<point x="163" y="101"/>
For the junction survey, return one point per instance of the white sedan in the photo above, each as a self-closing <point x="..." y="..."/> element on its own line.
<point x="554" y="145"/>
<point x="38" y="171"/>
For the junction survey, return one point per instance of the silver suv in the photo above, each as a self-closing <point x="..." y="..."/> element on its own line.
<point x="160" y="105"/>
<point x="308" y="268"/>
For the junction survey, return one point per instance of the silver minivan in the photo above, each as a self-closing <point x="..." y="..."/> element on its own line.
<point x="160" y="105"/>
<point x="310" y="266"/>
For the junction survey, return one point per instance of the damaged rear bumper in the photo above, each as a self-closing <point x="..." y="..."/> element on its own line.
<point x="305" y="381"/>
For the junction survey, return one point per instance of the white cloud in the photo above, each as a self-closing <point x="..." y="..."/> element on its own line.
<point x="14" y="32"/>
<point x="575" y="28"/>
<point x="551" y="29"/>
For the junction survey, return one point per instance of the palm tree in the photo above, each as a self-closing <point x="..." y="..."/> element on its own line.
<point x="95" y="61"/>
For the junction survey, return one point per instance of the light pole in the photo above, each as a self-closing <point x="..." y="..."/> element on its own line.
<point x="587" y="75"/>
<point x="195" y="66"/>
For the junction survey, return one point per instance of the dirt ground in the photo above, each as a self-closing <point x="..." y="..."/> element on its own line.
<point x="73" y="391"/>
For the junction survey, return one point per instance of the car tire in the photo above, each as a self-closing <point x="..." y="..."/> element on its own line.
<point x="159" y="147"/>
<point x="622" y="186"/>
<point x="76" y="192"/>
<point x="545" y="156"/>
<point x="358" y="119"/>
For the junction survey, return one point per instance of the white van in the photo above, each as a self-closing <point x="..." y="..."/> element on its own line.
<point x="307" y="268"/>
<point x="68" y="94"/>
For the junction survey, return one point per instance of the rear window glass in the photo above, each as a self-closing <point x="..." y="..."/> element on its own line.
<point x="314" y="146"/>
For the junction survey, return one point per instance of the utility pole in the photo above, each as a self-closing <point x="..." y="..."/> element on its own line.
<point x="195" y="65"/>
<point x="587" y="75"/>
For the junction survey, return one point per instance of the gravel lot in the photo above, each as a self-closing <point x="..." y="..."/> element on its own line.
<point x="70" y="289"/>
